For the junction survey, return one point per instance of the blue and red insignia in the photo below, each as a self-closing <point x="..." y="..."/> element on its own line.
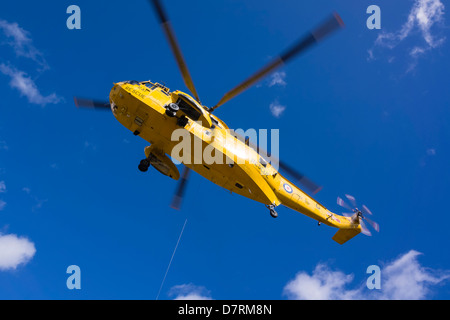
<point x="287" y="187"/>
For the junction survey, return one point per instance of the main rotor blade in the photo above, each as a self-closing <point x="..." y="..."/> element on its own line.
<point x="93" y="104"/>
<point x="176" y="202"/>
<point x="170" y="35"/>
<point x="333" y="23"/>
<point x="301" y="178"/>
<point x="348" y="214"/>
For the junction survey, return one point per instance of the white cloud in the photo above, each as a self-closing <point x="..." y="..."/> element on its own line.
<point x="3" y="145"/>
<point x="2" y="190"/>
<point x="189" y="292"/>
<point x="323" y="284"/>
<point x="38" y="203"/>
<point x="26" y="190"/>
<point x="15" y="251"/>
<point x="26" y="86"/>
<point x="277" y="79"/>
<point x="22" y="43"/>
<point x="423" y="16"/>
<point x="276" y="109"/>
<point x="90" y="145"/>
<point x="407" y="279"/>
<point x="402" y="279"/>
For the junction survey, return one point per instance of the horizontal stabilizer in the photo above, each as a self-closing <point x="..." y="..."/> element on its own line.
<point x="343" y="235"/>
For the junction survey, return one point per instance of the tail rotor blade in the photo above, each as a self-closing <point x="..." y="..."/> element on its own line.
<point x="178" y="197"/>
<point x="364" y="229"/>
<point x="352" y="200"/>
<point x="366" y="210"/>
<point x="343" y="204"/>
<point x="373" y="224"/>
<point x="348" y="214"/>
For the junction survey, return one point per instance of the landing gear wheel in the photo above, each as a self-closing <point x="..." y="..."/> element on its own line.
<point x="273" y="213"/>
<point x="171" y="109"/>
<point x="143" y="165"/>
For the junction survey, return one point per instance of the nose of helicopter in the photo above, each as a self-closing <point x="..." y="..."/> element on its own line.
<point x="112" y="98"/>
<point x="113" y="107"/>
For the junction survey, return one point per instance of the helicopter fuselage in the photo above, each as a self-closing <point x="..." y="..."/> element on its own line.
<point x="142" y="108"/>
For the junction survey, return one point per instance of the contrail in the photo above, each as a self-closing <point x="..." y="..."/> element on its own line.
<point x="173" y="254"/>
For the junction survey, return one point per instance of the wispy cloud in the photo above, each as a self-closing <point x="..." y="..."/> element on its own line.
<point x="427" y="156"/>
<point x="38" y="203"/>
<point x="15" y="251"/>
<point x="26" y="86"/>
<point x="19" y="39"/>
<point x="401" y="279"/>
<point x="3" y="145"/>
<point x="189" y="292"/>
<point x="2" y="190"/>
<point x="423" y="16"/>
<point x="276" y="109"/>
<point x="277" y="79"/>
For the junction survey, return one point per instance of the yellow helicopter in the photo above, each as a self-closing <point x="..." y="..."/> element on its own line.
<point x="163" y="118"/>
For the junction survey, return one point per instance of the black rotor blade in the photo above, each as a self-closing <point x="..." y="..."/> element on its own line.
<point x="170" y="35"/>
<point x="93" y="104"/>
<point x="333" y="23"/>
<point x="301" y="178"/>
<point x="178" y="197"/>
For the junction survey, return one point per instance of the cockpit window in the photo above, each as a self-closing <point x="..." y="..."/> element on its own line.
<point x="215" y="122"/>
<point x="263" y="161"/>
<point x="186" y="106"/>
<point x="150" y="85"/>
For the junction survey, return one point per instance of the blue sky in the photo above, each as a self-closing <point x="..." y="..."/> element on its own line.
<point x="365" y="113"/>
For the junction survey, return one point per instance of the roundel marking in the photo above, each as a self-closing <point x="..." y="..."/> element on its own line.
<point x="287" y="187"/>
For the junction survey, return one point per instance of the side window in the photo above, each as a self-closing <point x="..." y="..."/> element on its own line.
<point x="263" y="161"/>
<point x="188" y="110"/>
<point x="215" y="122"/>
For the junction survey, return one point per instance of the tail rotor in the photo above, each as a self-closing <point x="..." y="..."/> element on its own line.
<point x="358" y="216"/>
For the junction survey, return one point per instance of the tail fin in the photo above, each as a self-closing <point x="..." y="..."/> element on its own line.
<point x="343" y="235"/>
